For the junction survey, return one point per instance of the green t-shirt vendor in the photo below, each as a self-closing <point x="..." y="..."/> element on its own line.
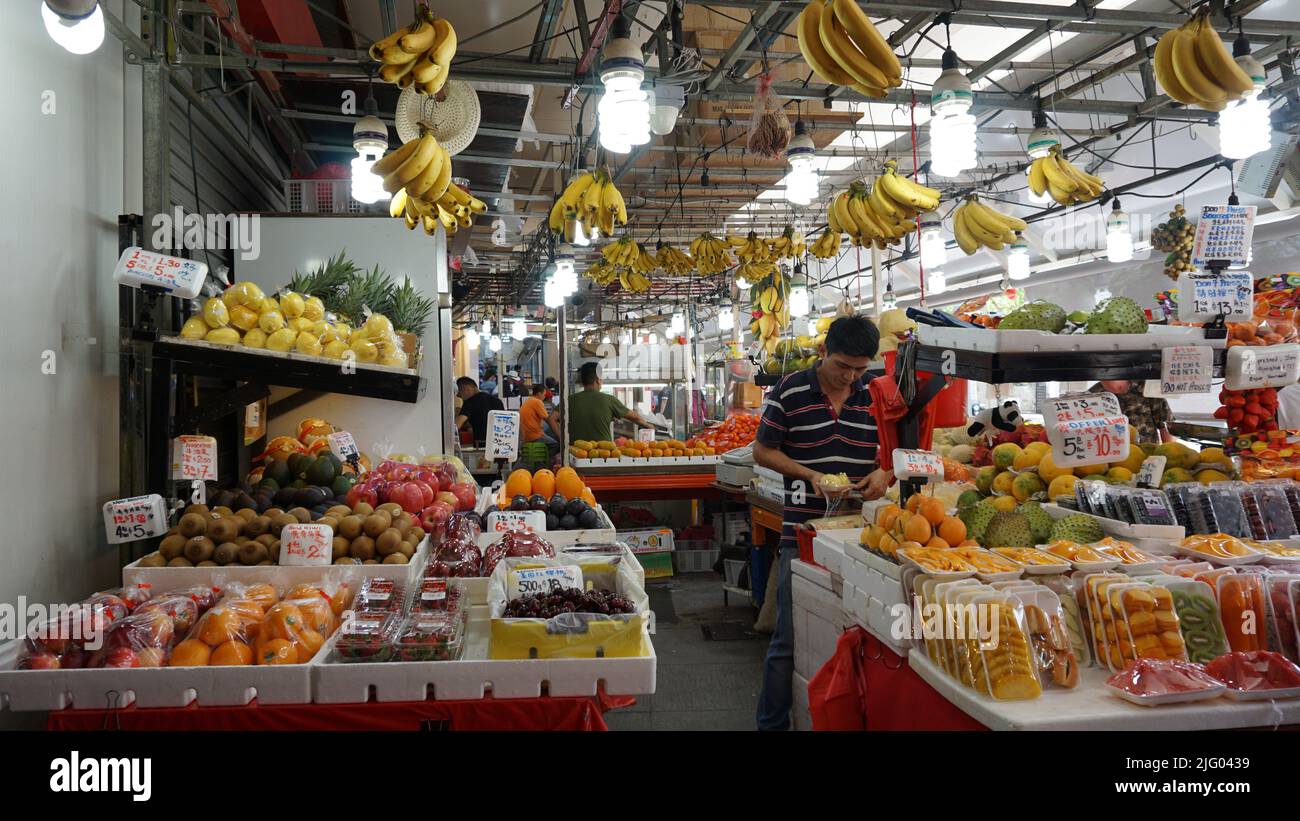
<point x="591" y="412"/>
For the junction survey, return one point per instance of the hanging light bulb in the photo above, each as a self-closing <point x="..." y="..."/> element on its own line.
<point x="1119" y="240"/>
<point x="552" y="295"/>
<point x="1018" y="259"/>
<point x="494" y="343"/>
<point x="812" y="325"/>
<point x="802" y="181"/>
<point x="1042" y="138"/>
<point x="370" y="139"/>
<point x="936" y="282"/>
<point x="743" y="284"/>
<point x="952" y="127"/>
<point x="677" y="324"/>
<point x="580" y="237"/>
<point x="726" y="316"/>
<point x="485" y="328"/>
<point x="797" y="299"/>
<point x="887" y="300"/>
<point x="471" y="339"/>
<point x="934" y="252"/>
<point x="604" y="340"/>
<point x="518" y="328"/>
<point x="1245" y="128"/>
<point x="668" y="101"/>
<point x="624" y="109"/>
<point x="77" y="25"/>
<point x="564" y="259"/>
<point x="625" y="338"/>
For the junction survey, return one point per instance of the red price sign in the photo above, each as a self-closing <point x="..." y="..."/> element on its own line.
<point x="917" y="464"/>
<point x="304" y="544"/>
<point x="194" y="457"/>
<point x="1090" y="441"/>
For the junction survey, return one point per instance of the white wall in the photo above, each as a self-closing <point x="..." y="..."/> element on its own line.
<point x="302" y="243"/>
<point x="64" y="187"/>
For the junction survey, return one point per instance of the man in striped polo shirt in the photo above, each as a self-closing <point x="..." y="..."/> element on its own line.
<point x="815" y="423"/>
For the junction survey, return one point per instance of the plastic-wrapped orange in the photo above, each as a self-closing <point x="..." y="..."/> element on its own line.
<point x="544" y="483"/>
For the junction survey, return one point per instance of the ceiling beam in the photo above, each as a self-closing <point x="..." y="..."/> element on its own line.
<point x="546" y="22"/>
<point x="998" y="60"/>
<point x="742" y="41"/>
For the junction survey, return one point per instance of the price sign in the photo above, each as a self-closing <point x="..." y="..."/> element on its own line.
<point x="1265" y="366"/>
<point x="533" y="580"/>
<point x="302" y="544"/>
<point x="533" y="521"/>
<point x="917" y="464"/>
<point x="1088" y="429"/>
<point x="1186" y="369"/>
<point x="194" y="458"/>
<point x="1152" y="471"/>
<point x="139" y="517"/>
<point x="1202" y="296"/>
<point x="1223" y="233"/>
<point x="502" y="435"/>
<point x="178" y="277"/>
<point x="645" y="434"/>
<point x="345" y="447"/>
<point x="433" y="592"/>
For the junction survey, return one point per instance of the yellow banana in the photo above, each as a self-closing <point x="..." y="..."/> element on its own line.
<point x="864" y="218"/>
<point x="846" y="54"/>
<point x="1163" y="63"/>
<point x="397" y="204"/>
<point x="1037" y="179"/>
<point x="378" y="47"/>
<point x="1190" y="73"/>
<point x="444" y="47"/>
<point x="423" y="183"/>
<point x="556" y="219"/>
<point x="995" y="219"/>
<point x="965" y="239"/>
<point x="1218" y="63"/>
<point x="409" y="170"/>
<point x="1057" y="175"/>
<point x="898" y="189"/>
<point x="425" y="70"/>
<point x="832" y="220"/>
<point x="808" y="33"/>
<point x="1061" y="196"/>
<point x="841" y="205"/>
<point x="394" y="55"/>
<point x="420" y="39"/>
<point x="981" y="232"/>
<point x="396" y="72"/>
<point x="883" y="205"/>
<point x="869" y="91"/>
<point x="868" y="40"/>
<point x="573" y="193"/>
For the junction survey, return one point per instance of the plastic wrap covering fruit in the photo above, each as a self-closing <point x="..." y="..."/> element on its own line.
<point x="430" y="636"/>
<point x="1219" y="548"/>
<point x="515" y="544"/>
<point x="1153" y="682"/>
<point x="1124" y="551"/>
<point x="607" y="617"/>
<point x="367" y="636"/>
<point x="1005" y="668"/>
<point x="1242" y="607"/>
<point x="1052" y="647"/>
<point x="1282" y="633"/>
<point x="439" y="595"/>
<point x="1198" y="618"/>
<point x="1258" y="670"/>
<point x="227" y="633"/>
<point x="458" y="554"/>
<point x="1074" y="619"/>
<point x="380" y="595"/>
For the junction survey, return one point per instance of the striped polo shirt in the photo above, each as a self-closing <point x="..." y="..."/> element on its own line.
<point x="798" y="421"/>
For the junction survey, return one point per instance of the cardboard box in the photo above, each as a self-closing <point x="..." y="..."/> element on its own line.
<point x="748" y="395"/>
<point x="656" y="565"/>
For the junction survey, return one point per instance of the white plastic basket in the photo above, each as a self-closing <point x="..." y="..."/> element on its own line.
<point x="320" y="197"/>
<point x="731" y="569"/>
<point x="695" y="561"/>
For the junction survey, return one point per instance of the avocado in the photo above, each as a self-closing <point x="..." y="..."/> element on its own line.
<point x="537" y="502"/>
<point x="297" y="463"/>
<point x="321" y="471"/>
<point x="309" y="497"/>
<point x="519" y="503"/>
<point x="298" y="484"/>
<point x="568" y="523"/>
<point x="277" y="471"/>
<point x="342" y="484"/>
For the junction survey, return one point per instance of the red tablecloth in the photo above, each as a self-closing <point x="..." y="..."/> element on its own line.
<point x="480" y="714"/>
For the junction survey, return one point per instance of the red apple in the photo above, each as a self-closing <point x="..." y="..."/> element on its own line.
<point x="446" y="476"/>
<point x="121" y="657"/>
<point x="400" y="473"/>
<point x="408" y="495"/>
<point x="74" y="659"/>
<point x="151" y="657"/>
<point x="467" y="495"/>
<point x="40" y="661"/>
<point x="434" y="517"/>
<point x="427" y="492"/>
<point x="450" y="498"/>
<point x="362" y="493"/>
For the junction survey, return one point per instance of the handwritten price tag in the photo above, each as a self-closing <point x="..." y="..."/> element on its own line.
<point x="1152" y="471"/>
<point x="302" y="544"/>
<point x="179" y="277"/>
<point x="1266" y="366"/>
<point x="1090" y="441"/>
<point x="917" y="464"/>
<point x="1223" y="233"/>
<point x="502" y="435"/>
<point x="1204" y="296"/>
<point x="1186" y="369"/>
<point x="344" y="446"/>
<point x="545" y="580"/>
<point x="532" y="521"/>
<point x="1073" y="406"/>
<point x="139" y="517"/>
<point x="194" y="458"/>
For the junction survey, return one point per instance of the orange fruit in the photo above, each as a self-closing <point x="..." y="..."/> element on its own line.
<point x="568" y="485"/>
<point x="309" y="643"/>
<point x="262" y="593"/>
<point x="316" y="614"/>
<point x="588" y="497"/>
<point x="284" y="621"/>
<point x="544" y="483"/>
<point x="276" y="651"/>
<point x="931" y="508"/>
<point x="887" y="544"/>
<point x="190" y="653"/>
<point x="952" y="530"/>
<point x="908" y="544"/>
<point x="886" y="515"/>
<point x="935" y="541"/>
<point x="913" y="502"/>
<point x="220" y="625"/>
<point x="917" y="529"/>
<point x="232" y="653"/>
<point x="519" y="483"/>
<point x="968" y="543"/>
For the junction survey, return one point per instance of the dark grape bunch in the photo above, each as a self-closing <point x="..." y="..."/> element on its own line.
<point x="1175" y="237"/>
<point x="571" y="600"/>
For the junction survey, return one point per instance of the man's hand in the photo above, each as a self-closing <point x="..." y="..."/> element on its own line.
<point x="875" y="485"/>
<point x="826" y="493"/>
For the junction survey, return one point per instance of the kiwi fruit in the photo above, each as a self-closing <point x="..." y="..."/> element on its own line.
<point x="272" y="512"/>
<point x="252" y="553"/>
<point x="257" y="526"/>
<point x="207" y="563"/>
<point x="222" y="510"/>
<point x="225" y="553"/>
<point x="404" y="523"/>
<point x="370" y="561"/>
<point x="273" y="549"/>
<point x="418" y="533"/>
<point x="192" y="524"/>
<point x="265" y="540"/>
<point x="395" y="558"/>
<point x="388" y="542"/>
<point x="267" y="563"/>
<point x="339" y="511"/>
<point x="280" y="521"/>
<point x="223" y="530"/>
<point x="391" y="508"/>
<point x="377" y="523"/>
<point x="406" y="549"/>
<point x="328" y="520"/>
<point x="363" y="509"/>
<point x="346" y="560"/>
<point x="247" y="514"/>
<point x="199" y="549"/>
<point x="301" y="514"/>
<point x="341" y="546"/>
<point x="201" y="510"/>
<point x="350" y="526"/>
<point x="362" y="547"/>
<point x="180" y="561"/>
<point x="171" y="546"/>
<point x="154" y="559"/>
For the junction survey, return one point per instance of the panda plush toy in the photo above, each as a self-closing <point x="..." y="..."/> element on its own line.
<point x="1004" y="417"/>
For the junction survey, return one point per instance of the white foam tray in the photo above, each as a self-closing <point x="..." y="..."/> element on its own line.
<point x="163" y="579"/>
<point x="828" y="552"/>
<point x="1156" y="538"/>
<point x="875" y="616"/>
<point x="649" y="461"/>
<point x="991" y="341"/>
<point x="475" y="675"/>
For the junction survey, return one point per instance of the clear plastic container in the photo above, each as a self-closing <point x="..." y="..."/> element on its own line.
<point x="1152" y="622"/>
<point x="438" y="594"/>
<point x="1229" y="511"/>
<point x="962" y="637"/>
<point x="1198" y="618"/>
<point x="1243" y="610"/>
<point x="1101" y="617"/>
<point x="1075" y="623"/>
<point x="1274" y="507"/>
<point x="1151" y="683"/>
<point x="1149" y="506"/>
<point x="379" y="595"/>
<point x="1256" y="676"/>
<point x="1053" y="650"/>
<point x="1005" y="669"/>
<point x="1192" y="507"/>
<point x="1081" y="556"/>
<point x="989" y="566"/>
<point x="1034" y="561"/>
<point x="1282" y="635"/>
<point x="430" y="636"/>
<point x="367" y="636"/>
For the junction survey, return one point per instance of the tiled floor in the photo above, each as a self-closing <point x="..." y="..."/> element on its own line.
<point x="702" y="685"/>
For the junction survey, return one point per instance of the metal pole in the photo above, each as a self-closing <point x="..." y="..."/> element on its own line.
<point x="562" y="363"/>
<point x="876" y="290"/>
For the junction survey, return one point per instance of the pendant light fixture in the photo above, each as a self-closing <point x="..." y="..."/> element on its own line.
<point x="952" y="126"/>
<point x="370" y="139"/>
<point x="726" y="316"/>
<point x="77" y="25"/>
<point x="471" y="338"/>
<point x="934" y="251"/>
<point x="936" y="282"/>
<point x="624" y="109"/>
<point x="797" y="299"/>
<point x="802" y="182"/>
<point x="1119" y="239"/>
<point x="1245" y="128"/>
<point x="1018" y="259"/>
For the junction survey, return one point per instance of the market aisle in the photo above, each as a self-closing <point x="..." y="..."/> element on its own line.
<point x="703" y="685"/>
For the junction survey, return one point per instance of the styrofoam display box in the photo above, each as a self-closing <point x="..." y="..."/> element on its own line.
<point x="872" y="587"/>
<point x="819" y="617"/>
<point x="475" y="675"/>
<point x="1157" y="539"/>
<point x="979" y="339"/>
<point x="800" y="715"/>
<point x="653" y="548"/>
<point x="603" y="534"/>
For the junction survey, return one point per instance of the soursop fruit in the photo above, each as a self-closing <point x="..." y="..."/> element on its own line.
<point x="1040" y="521"/>
<point x="1077" y="527"/>
<point x="1117" y="315"/>
<point x="976" y="518"/>
<point x="1008" y="530"/>
<point x="1035" y="316"/>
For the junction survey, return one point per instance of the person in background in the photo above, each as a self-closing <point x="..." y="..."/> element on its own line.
<point x="474" y="408"/>
<point x="815" y="423"/>
<point x="489" y="381"/>
<point x="553" y="391"/>
<point x="1150" y="415"/>
<point x="591" y="412"/>
<point x="537" y="422"/>
<point x="1288" y="407"/>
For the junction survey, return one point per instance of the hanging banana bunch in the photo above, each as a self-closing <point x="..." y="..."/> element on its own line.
<point x="841" y="44"/>
<point x="755" y="272"/>
<point x="976" y="225"/>
<point x="417" y="55"/>
<point x="601" y="273"/>
<point x="673" y="261"/>
<point x="633" y="281"/>
<point x="711" y="254"/>
<point x="1067" y="183"/>
<point x="1193" y="66"/>
<point x="643" y="262"/>
<point x="752" y="248"/>
<point x="418" y="175"/>
<point x="790" y="244"/>
<point x="621" y="252"/>
<point x="827" y="245"/>
<point x="592" y="199"/>
<point x="768" y="309"/>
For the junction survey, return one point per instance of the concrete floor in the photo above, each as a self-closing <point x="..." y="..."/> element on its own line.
<point x="702" y="684"/>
